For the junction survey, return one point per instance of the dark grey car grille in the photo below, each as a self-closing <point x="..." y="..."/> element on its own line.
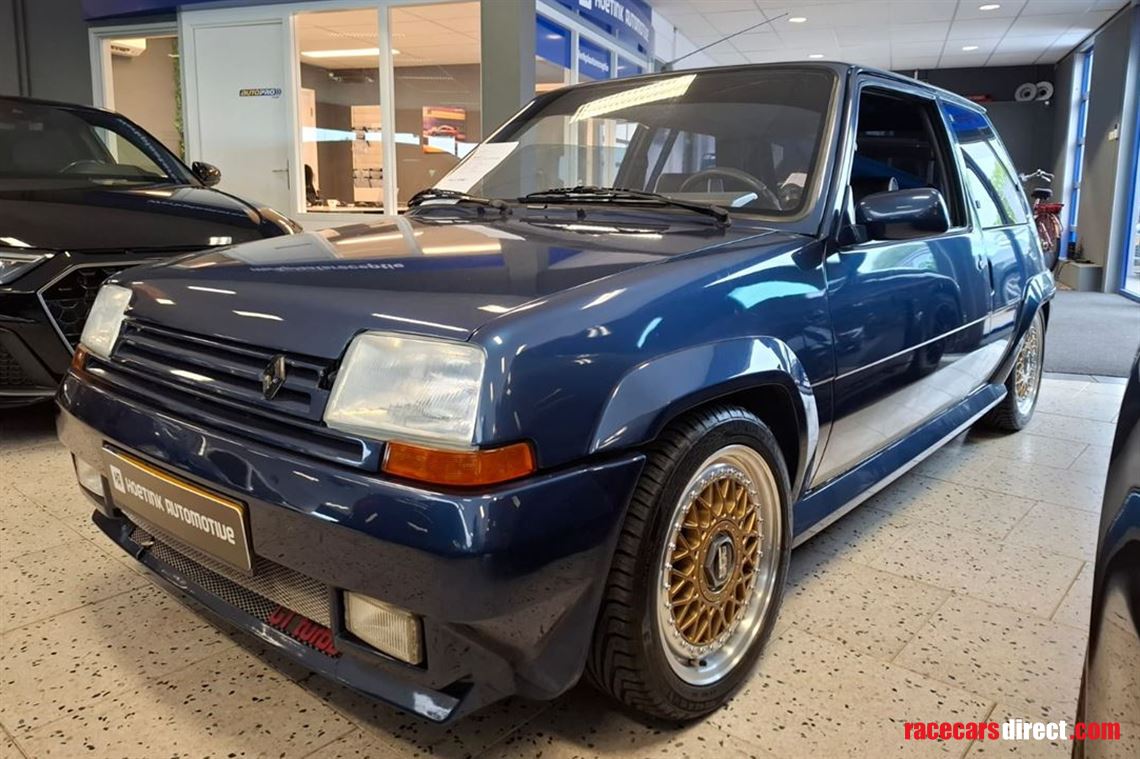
<point x="258" y="595"/>
<point x="68" y="299"/>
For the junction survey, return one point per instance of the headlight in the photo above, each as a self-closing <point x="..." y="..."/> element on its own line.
<point x="408" y="388"/>
<point x="105" y="320"/>
<point x="14" y="264"/>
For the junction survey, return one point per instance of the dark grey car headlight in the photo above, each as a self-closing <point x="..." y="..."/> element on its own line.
<point x="15" y="263"/>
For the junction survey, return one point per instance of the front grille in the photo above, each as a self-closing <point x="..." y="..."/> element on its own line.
<point x="219" y="383"/>
<point x="270" y="586"/>
<point x="11" y="373"/>
<point x="69" y="299"/>
<point x="231" y="371"/>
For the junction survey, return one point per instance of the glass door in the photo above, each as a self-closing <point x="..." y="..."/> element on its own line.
<point x="340" y="120"/>
<point x="437" y="80"/>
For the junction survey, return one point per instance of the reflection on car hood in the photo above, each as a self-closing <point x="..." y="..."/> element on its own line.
<point x="123" y="217"/>
<point x="310" y="293"/>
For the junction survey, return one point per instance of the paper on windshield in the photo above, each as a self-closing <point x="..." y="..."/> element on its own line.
<point x="480" y="162"/>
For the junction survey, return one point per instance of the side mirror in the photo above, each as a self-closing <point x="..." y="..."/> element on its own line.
<point x="207" y="173"/>
<point x="903" y="214"/>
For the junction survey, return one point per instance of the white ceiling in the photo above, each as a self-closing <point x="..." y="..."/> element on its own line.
<point x="425" y="35"/>
<point x="890" y="34"/>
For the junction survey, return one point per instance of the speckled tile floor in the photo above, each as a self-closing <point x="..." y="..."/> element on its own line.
<point x="958" y="593"/>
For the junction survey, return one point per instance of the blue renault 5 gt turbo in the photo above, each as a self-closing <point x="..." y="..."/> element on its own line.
<point x="572" y="411"/>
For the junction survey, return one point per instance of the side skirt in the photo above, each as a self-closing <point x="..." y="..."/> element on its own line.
<point x="824" y="505"/>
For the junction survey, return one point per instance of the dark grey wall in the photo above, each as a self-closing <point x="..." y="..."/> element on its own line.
<point x="57" y="58"/>
<point x="1063" y="134"/>
<point x="1027" y="128"/>
<point x="1027" y="131"/>
<point x="10" y="68"/>
<point x="996" y="83"/>
<point x="1107" y="171"/>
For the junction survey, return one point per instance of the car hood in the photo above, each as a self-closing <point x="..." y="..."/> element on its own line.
<point x="117" y="218"/>
<point x="310" y="293"/>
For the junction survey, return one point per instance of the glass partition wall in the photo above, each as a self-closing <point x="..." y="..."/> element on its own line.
<point x="436" y="90"/>
<point x="388" y="95"/>
<point x="339" y="102"/>
<point x="417" y="65"/>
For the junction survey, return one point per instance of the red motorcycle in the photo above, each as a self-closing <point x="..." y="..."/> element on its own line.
<point x="1046" y="216"/>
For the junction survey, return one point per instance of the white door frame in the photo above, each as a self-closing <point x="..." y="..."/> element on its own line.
<point x="102" y="85"/>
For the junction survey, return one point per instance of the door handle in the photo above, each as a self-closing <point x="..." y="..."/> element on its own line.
<point x="285" y="170"/>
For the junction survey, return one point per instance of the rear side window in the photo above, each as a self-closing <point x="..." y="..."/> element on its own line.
<point x="981" y="195"/>
<point x="994" y="189"/>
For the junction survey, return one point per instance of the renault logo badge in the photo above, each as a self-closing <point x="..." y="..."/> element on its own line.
<point x="720" y="562"/>
<point x="273" y="377"/>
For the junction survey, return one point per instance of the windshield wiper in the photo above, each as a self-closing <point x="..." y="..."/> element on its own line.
<point x="594" y="194"/>
<point x="432" y="193"/>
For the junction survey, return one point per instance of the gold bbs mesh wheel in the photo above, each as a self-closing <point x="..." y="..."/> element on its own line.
<point x="1027" y="370"/>
<point x="719" y="565"/>
<point x="712" y="558"/>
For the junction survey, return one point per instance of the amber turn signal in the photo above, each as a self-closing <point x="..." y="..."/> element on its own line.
<point x="459" y="468"/>
<point x="78" y="359"/>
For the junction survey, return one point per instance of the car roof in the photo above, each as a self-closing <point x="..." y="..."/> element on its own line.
<point x="839" y="68"/>
<point x="53" y="104"/>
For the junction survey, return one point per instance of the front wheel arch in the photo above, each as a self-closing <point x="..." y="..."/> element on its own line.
<point x="760" y="374"/>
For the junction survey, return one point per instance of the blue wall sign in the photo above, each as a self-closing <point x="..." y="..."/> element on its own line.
<point x="593" y="60"/>
<point x="627" y="20"/>
<point x="552" y="42"/>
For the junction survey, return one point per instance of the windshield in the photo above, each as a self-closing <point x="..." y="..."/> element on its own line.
<point x="43" y="142"/>
<point x="745" y="139"/>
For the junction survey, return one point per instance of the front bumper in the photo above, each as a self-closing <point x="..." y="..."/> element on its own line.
<point x="507" y="581"/>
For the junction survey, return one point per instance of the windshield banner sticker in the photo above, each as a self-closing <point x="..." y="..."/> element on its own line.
<point x="478" y="164"/>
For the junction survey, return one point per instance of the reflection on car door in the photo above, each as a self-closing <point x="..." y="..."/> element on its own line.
<point x="910" y="316"/>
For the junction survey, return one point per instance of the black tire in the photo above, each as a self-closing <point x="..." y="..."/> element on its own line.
<point x="627" y="656"/>
<point x="1010" y="415"/>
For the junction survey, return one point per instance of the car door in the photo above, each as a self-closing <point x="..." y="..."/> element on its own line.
<point x="909" y="315"/>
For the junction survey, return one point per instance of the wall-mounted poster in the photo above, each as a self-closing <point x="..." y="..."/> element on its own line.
<point x="444" y="129"/>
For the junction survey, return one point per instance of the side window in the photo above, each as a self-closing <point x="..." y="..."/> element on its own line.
<point x="1001" y="178"/>
<point x="982" y="156"/>
<point x="989" y="214"/>
<point x="900" y="145"/>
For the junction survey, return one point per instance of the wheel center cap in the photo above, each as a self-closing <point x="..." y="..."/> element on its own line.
<point x="720" y="559"/>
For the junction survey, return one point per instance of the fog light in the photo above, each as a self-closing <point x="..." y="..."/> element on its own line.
<point x="387" y="628"/>
<point x="89" y="477"/>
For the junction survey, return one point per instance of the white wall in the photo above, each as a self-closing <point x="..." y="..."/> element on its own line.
<point x="670" y="43"/>
<point x="144" y="90"/>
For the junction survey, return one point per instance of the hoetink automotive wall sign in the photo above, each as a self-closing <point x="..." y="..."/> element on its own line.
<point x="627" y="20"/>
